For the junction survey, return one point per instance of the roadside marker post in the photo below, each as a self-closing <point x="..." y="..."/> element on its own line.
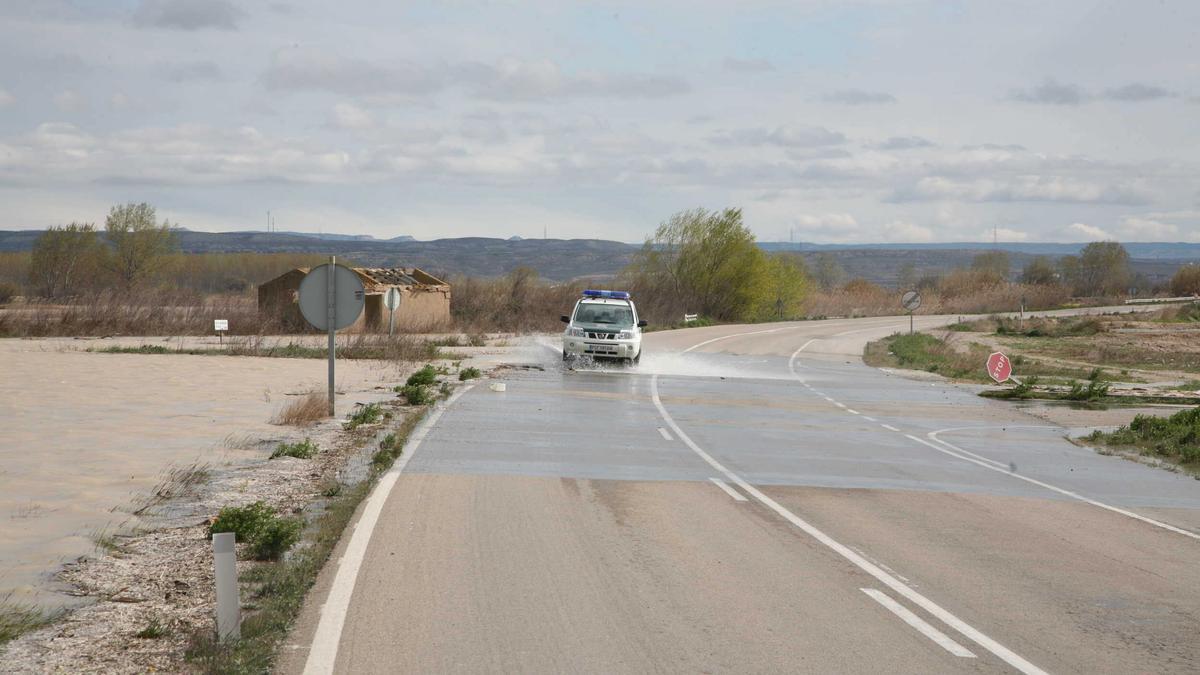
<point x="331" y="298"/>
<point x="229" y="624"/>
<point x="220" y="326"/>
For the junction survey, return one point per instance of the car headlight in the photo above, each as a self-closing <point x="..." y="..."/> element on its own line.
<point x="575" y="332"/>
<point x="625" y="335"/>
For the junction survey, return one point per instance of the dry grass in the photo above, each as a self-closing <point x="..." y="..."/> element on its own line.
<point x="144" y="313"/>
<point x="864" y="299"/>
<point x="305" y="411"/>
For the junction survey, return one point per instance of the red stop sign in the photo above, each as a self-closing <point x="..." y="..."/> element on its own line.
<point x="999" y="367"/>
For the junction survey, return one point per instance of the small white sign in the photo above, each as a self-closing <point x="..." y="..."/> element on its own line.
<point x="392" y="298"/>
<point x="220" y="324"/>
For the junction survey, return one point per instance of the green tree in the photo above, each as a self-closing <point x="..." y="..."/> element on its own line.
<point x="65" y="260"/>
<point x="991" y="265"/>
<point x="141" y="247"/>
<point x="1103" y="269"/>
<point x="786" y="287"/>
<point x="702" y="261"/>
<point x="1039" y="271"/>
<point x="827" y="271"/>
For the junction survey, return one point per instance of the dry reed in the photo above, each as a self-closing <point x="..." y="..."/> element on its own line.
<point x="305" y="411"/>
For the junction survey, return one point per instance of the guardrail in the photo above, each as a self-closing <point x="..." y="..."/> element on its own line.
<point x="1155" y="301"/>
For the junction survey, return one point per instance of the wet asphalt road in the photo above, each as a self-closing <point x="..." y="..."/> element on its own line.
<point x="755" y="499"/>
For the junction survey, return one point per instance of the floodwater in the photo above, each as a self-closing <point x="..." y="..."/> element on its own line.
<point x="82" y="435"/>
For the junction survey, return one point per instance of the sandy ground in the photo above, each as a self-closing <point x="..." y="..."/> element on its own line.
<point x="85" y="433"/>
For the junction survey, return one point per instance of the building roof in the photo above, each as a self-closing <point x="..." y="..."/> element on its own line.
<point x="376" y="278"/>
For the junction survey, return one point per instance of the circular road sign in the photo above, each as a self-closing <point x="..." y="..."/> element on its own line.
<point x="348" y="298"/>
<point x="999" y="367"/>
<point x="391" y="299"/>
<point x="911" y="300"/>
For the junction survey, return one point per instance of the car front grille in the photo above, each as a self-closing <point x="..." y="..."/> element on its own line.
<point x="602" y="336"/>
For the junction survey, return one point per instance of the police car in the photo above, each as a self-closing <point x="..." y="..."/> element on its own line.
<point x="604" y="325"/>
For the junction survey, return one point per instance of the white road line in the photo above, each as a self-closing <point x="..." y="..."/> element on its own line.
<point x="955" y="451"/>
<point x="728" y="490"/>
<point x="665" y="435"/>
<point x="920" y="624"/>
<point x="322" y="656"/>
<point x="869" y="418"/>
<point x="1002" y="652"/>
<point x="852" y="411"/>
<point x="889" y="427"/>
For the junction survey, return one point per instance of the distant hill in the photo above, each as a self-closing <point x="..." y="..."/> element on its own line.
<point x="564" y="259"/>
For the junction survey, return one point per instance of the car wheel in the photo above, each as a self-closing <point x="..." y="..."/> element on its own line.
<point x="638" y="358"/>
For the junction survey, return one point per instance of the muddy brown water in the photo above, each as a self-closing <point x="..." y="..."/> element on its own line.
<point x="83" y="435"/>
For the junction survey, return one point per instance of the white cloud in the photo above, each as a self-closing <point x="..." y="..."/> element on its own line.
<point x="1003" y="234"/>
<point x="904" y="231"/>
<point x="860" y="97"/>
<point x="790" y="136"/>
<point x="1025" y="188"/>
<point x="1091" y="232"/>
<point x="350" y="116"/>
<point x="6" y="99"/>
<point x="70" y="101"/>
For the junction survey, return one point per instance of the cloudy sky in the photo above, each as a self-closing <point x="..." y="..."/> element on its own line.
<point x="827" y="121"/>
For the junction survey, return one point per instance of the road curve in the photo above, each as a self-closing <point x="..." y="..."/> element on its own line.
<point x="755" y="499"/>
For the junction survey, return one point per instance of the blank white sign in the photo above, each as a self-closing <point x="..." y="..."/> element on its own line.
<point x="220" y="324"/>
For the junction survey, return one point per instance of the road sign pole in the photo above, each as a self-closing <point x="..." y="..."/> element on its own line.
<point x="330" y="313"/>
<point x="910" y="323"/>
<point x="391" y="321"/>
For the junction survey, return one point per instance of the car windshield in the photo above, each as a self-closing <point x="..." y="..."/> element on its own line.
<point x="614" y="315"/>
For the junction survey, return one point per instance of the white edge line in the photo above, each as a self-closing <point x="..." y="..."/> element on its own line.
<point x="665" y="435"/>
<point x="852" y="411"/>
<point x="920" y="624"/>
<point x="322" y="655"/>
<point x="996" y="466"/>
<point x="728" y="490"/>
<point x="1000" y="651"/>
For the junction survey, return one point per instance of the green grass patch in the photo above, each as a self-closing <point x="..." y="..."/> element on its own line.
<point x="268" y="536"/>
<point x="140" y="349"/>
<point x="305" y="449"/>
<point x="468" y="374"/>
<point x="1175" y="438"/>
<point x="365" y="414"/>
<point x="415" y="394"/>
<point x="425" y="376"/>
<point x="154" y="629"/>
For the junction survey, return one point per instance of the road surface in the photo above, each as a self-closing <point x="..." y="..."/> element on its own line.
<point x="755" y="499"/>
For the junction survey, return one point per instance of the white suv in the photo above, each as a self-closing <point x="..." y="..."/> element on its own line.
<point x="605" y="325"/>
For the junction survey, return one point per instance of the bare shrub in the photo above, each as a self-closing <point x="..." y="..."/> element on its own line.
<point x="149" y="312"/>
<point x="517" y="302"/>
<point x="304" y="411"/>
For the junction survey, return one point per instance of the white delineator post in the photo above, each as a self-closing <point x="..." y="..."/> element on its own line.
<point x="331" y="311"/>
<point x="229" y="624"/>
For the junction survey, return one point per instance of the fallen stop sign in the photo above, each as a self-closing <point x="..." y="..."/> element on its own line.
<point x="999" y="367"/>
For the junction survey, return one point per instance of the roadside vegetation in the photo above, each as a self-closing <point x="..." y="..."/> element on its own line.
<point x="275" y="590"/>
<point x="959" y="361"/>
<point x="1175" y="438"/>
<point x="305" y="411"/>
<point x="17" y="618"/>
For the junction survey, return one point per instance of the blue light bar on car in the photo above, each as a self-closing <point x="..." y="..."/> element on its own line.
<point x="615" y="295"/>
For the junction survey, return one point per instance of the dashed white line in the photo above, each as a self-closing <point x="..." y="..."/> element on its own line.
<point x="1008" y="656"/>
<point x="728" y="490"/>
<point x="852" y="411"/>
<point x="889" y="427"/>
<point x="869" y="418"/>
<point x="920" y="624"/>
<point x="665" y="435"/>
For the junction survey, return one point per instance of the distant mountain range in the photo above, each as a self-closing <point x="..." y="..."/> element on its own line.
<point x="563" y="259"/>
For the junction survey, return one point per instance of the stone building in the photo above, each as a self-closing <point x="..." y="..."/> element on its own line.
<point x="424" y="299"/>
